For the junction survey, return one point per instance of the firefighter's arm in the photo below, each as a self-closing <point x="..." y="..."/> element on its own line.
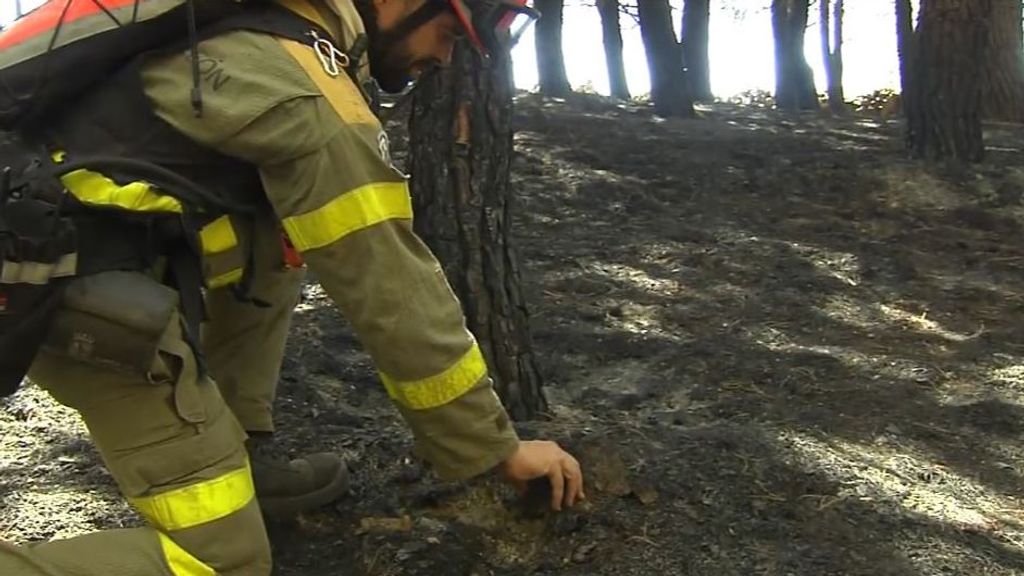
<point x="349" y="214"/>
<point x="324" y="166"/>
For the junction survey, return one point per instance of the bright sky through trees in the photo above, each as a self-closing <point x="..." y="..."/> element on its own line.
<point x="741" y="47"/>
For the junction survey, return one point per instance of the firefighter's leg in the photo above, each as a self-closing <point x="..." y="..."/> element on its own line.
<point x="244" y="342"/>
<point x="175" y="451"/>
<point x="244" y="345"/>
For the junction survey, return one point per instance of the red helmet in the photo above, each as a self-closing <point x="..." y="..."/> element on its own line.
<point x="494" y="24"/>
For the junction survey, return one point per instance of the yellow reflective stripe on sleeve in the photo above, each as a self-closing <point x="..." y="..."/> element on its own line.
<point x="348" y="213"/>
<point x="181" y="562"/>
<point x="198" y="503"/>
<point x="442" y="388"/>
<point x="218" y="236"/>
<point x="98" y="190"/>
<point x="38" y="273"/>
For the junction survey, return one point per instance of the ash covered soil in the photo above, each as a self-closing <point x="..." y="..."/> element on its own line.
<point x="777" y="345"/>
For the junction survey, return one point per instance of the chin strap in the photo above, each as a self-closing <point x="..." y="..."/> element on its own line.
<point x="405" y="99"/>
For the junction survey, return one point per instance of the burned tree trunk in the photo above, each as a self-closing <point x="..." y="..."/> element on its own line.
<point x="664" y="60"/>
<point x="461" y="150"/>
<point x="696" y="22"/>
<point x="794" y="81"/>
<point x="1002" y="83"/>
<point x="832" y="53"/>
<point x="944" y="110"/>
<point x="550" y="59"/>
<point x="612" y="31"/>
<point x="905" y="44"/>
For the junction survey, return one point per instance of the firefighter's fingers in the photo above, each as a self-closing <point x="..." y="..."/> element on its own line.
<point x="557" y="479"/>
<point x="574" y="481"/>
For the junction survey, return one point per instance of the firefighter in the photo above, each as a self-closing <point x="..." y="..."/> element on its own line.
<point x="182" y="415"/>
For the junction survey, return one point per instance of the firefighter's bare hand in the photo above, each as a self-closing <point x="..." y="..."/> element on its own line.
<point x="539" y="459"/>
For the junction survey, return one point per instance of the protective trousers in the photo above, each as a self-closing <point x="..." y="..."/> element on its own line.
<point x="244" y="342"/>
<point x="173" y="444"/>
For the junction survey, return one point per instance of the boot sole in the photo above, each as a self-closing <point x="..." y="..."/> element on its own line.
<point x="281" y="508"/>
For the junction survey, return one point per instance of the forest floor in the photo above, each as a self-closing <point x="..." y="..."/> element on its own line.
<point x="777" y="345"/>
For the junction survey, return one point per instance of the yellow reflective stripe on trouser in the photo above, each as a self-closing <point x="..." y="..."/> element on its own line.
<point x="181" y="562"/>
<point x="218" y="236"/>
<point x="198" y="503"/>
<point x="442" y="388"/>
<point x="38" y="273"/>
<point x="229" y="277"/>
<point x="348" y="213"/>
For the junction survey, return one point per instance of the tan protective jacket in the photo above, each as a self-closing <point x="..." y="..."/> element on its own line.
<point x="324" y="163"/>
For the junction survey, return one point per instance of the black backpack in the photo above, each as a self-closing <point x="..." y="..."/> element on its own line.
<point x="46" y="59"/>
<point x="48" y="238"/>
<point x="36" y="242"/>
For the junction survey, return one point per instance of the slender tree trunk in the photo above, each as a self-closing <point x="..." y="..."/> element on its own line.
<point x="832" y="53"/>
<point x="1002" y="84"/>
<point x="461" y="143"/>
<point x="696" y="23"/>
<point x="905" y="45"/>
<point x="794" y="81"/>
<point x="943" y="114"/>
<point x="550" y="59"/>
<point x="612" y="31"/>
<point x="664" y="60"/>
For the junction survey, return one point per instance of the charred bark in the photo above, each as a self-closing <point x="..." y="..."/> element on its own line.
<point x="461" y="150"/>
<point x="696" y="23"/>
<point x="550" y="58"/>
<point x="1002" y="84"/>
<point x="664" y="60"/>
<point x="905" y="45"/>
<point x="612" y="31"/>
<point x="794" y="81"/>
<point x="944" y="111"/>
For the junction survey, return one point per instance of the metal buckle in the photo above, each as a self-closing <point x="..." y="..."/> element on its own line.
<point x="330" y="57"/>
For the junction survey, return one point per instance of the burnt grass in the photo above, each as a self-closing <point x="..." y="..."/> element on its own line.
<point x="776" y="343"/>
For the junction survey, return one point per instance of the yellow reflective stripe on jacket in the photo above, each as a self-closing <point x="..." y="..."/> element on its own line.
<point x="96" y="189"/>
<point x="38" y="273"/>
<point x="442" y="388"/>
<point x="348" y="213"/>
<point x="198" y="503"/>
<point x="181" y="562"/>
<point x="341" y="92"/>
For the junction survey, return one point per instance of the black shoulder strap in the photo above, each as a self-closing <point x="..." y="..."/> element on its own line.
<point x="272" y="18"/>
<point x="267" y="17"/>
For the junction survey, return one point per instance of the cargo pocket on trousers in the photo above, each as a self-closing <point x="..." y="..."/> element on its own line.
<point x="174" y="364"/>
<point x="112" y="320"/>
<point x="210" y="441"/>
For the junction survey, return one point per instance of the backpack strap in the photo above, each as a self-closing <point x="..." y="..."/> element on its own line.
<point x="272" y="18"/>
